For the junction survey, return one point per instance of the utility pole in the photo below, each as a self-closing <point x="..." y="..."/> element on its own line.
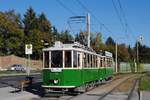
<point x="139" y="39"/>
<point x="116" y="59"/>
<point x="137" y="56"/>
<point x="88" y="28"/>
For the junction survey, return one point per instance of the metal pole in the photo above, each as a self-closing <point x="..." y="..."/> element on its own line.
<point x="116" y="59"/>
<point x="28" y="67"/>
<point x="137" y="50"/>
<point x="88" y="28"/>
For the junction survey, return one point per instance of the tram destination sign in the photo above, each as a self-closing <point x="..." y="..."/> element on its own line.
<point x="56" y="70"/>
<point x="108" y="54"/>
<point x="28" y="49"/>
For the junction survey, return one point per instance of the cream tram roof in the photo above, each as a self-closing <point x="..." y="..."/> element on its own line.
<point x="74" y="46"/>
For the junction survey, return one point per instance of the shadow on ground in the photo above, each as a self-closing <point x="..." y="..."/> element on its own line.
<point x="35" y="88"/>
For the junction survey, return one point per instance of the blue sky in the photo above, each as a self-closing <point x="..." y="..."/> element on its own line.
<point x="136" y="12"/>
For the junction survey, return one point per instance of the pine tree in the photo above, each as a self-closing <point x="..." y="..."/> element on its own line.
<point x="110" y="41"/>
<point x="30" y="21"/>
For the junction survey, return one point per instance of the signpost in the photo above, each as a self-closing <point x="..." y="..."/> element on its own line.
<point x="28" y="51"/>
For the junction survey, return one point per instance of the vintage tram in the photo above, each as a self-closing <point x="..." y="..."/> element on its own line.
<point x="68" y="66"/>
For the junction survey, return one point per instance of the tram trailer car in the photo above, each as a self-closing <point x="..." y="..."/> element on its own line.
<point x="71" y="66"/>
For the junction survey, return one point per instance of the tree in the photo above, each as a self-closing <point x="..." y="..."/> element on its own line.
<point x="123" y="54"/>
<point x="37" y="29"/>
<point x="30" y="21"/>
<point x="43" y="24"/>
<point x="66" y="36"/>
<point x="131" y="53"/>
<point x="110" y="41"/>
<point x="81" y="38"/>
<point x="56" y="35"/>
<point x="11" y="33"/>
<point x="96" y="42"/>
<point x="45" y="28"/>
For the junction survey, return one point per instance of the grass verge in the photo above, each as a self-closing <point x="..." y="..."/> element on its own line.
<point x="145" y="83"/>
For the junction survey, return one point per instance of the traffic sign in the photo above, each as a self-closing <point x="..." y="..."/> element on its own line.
<point x="28" y="49"/>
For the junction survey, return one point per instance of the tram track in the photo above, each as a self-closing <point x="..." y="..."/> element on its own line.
<point x="128" y="94"/>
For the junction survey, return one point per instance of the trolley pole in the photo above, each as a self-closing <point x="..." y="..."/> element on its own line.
<point x="88" y="28"/>
<point x="116" y="59"/>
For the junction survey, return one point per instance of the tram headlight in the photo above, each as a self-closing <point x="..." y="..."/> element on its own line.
<point x="55" y="81"/>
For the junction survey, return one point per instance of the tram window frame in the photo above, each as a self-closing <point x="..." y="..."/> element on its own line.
<point x="60" y="64"/>
<point x="67" y="59"/>
<point x="46" y="59"/>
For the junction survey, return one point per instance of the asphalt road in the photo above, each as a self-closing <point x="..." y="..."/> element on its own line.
<point x="15" y="82"/>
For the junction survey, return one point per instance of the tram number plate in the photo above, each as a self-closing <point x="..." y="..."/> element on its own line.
<point x="56" y="70"/>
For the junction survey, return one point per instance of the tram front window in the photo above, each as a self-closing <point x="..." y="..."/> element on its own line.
<point x="56" y="59"/>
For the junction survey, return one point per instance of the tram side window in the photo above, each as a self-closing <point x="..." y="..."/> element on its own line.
<point x="88" y="65"/>
<point x="75" y="59"/>
<point x="56" y="59"/>
<point x="46" y="59"/>
<point x="78" y="60"/>
<point x="97" y="62"/>
<point x="67" y="59"/>
<point x="91" y="60"/>
<point x="111" y="62"/>
<point x="101" y="62"/>
<point x="83" y="59"/>
<point x="95" y="65"/>
<point x="86" y="60"/>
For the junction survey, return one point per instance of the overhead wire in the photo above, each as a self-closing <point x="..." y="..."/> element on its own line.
<point x="102" y="24"/>
<point x="128" y="28"/>
<point x="65" y="7"/>
<point x="69" y="10"/>
<point x="118" y="14"/>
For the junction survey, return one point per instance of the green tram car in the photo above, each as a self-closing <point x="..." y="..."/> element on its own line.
<point x="72" y="66"/>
